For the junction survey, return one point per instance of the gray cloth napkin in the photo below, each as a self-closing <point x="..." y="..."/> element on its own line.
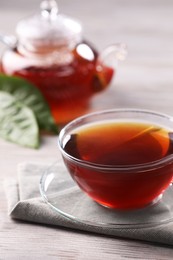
<point x="25" y="203"/>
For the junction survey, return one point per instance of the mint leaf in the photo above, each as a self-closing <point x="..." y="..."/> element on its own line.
<point x="17" y="122"/>
<point x="30" y="96"/>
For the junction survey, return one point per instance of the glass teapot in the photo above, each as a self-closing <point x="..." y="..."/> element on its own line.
<point x="50" y="52"/>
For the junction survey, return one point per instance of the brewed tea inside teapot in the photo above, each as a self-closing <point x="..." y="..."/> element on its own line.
<point x="51" y="52"/>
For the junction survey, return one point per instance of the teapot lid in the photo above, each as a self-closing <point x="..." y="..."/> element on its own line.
<point x="48" y="29"/>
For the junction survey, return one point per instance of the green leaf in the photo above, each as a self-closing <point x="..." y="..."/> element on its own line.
<point x="17" y="122"/>
<point x="30" y="96"/>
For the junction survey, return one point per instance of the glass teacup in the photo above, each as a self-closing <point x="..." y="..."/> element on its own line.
<point x="121" y="158"/>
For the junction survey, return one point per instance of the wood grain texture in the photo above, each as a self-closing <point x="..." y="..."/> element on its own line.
<point x="144" y="80"/>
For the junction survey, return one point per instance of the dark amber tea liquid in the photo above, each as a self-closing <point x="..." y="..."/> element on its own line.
<point x="120" y="145"/>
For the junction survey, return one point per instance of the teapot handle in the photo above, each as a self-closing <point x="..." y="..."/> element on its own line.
<point x="9" y="40"/>
<point x="112" y="54"/>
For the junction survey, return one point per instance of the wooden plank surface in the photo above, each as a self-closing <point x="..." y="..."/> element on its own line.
<point x="144" y="80"/>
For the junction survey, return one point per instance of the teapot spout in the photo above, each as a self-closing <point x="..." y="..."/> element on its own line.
<point x="106" y="65"/>
<point x="112" y="54"/>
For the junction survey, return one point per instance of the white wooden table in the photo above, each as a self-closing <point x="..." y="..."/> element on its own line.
<point x="144" y="80"/>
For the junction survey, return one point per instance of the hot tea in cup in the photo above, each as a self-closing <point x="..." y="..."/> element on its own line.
<point x="122" y="159"/>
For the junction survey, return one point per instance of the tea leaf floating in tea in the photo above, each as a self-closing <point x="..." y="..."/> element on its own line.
<point x="30" y="96"/>
<point x="148" y="130"/>
<point x="17" y="122"/>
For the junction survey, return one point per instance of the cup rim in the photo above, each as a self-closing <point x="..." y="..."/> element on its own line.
<point x="113" y="168"/>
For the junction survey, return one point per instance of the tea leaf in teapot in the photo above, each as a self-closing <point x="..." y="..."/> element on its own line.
<point x="30" y="96"/>
<point x="17" y="122"/>
<point x="102" y="77"/>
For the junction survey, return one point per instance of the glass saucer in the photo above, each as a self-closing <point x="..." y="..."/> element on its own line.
<point x="61" y="193"/>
